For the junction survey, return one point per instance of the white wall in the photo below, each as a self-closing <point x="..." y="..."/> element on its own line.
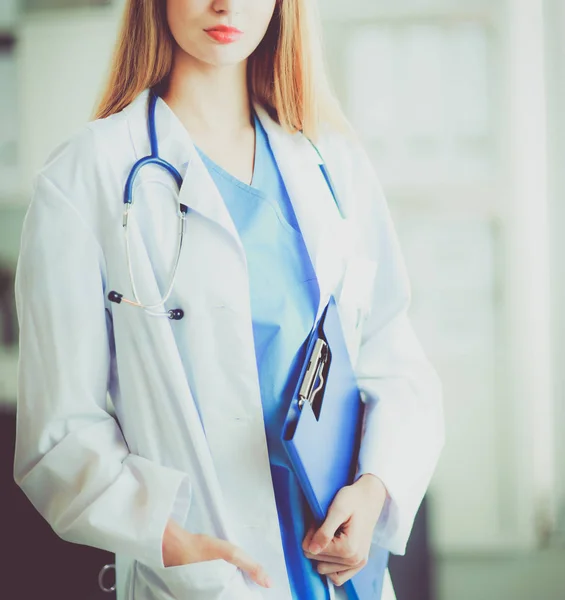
<point x="495" y="483"/>
<point x="8" y="14"/>
<point x="555" y="71"/>
<point x="63" y="57"/>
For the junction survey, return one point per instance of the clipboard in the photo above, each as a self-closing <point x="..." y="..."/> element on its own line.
<point x="322" y="435"/>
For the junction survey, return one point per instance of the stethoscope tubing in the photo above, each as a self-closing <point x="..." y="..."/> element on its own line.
<point x="151" y="307"/>
<point x="156" y="160"/>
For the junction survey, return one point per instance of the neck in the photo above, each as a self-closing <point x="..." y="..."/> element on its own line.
<point x="209" y="99"/>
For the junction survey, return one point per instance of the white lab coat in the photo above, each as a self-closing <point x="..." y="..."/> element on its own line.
<point x="186" y="437"/>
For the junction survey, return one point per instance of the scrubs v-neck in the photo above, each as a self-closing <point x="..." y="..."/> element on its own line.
<point x="284" y="298"/>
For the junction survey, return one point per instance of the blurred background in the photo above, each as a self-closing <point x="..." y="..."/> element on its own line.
<point x="461" y="106"/>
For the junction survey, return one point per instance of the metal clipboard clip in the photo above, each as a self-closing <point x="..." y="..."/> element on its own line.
<point x="314" y="372"/>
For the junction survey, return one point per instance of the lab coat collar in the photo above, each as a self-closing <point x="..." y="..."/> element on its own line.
<point x="198" y="190"/>
<point x="324" y="231"/>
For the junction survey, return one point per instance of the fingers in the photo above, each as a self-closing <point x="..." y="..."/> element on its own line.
<point x="335" y="548"/>
<point x="336" y="517"/>
<point x="329" y="558"/>
<point x="328" y="568"/>
<point x="236" y="556"/>
<point x="339" y="547"/>
<point x="308" y="538"/>
<point x="346" y="559"/>
<point x="340" y="551"/>
<point x="341" y="577"/>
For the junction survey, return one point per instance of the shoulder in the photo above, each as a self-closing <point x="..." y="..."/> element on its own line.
<point x="87" y="170"/>
<point x="83" y="176"/>
<point x="352" y="170"/>
<point x="87" y="153"/>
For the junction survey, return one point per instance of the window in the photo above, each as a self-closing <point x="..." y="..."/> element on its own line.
<point x="421" y="95"/>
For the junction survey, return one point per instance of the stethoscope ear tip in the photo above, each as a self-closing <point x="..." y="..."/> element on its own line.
<point x="176" y="314"/>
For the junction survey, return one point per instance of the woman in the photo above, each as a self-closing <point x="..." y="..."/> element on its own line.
<point x="185" y="478"/>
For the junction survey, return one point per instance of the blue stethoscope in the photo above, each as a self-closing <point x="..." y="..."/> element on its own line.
<point x="154" y="159"/>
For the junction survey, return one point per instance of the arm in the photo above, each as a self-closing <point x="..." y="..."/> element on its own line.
<point x="71" y="459"/>
<point x="404" y="430"/>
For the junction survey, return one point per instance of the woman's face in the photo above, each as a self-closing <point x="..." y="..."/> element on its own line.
<point x="219" y="32"/>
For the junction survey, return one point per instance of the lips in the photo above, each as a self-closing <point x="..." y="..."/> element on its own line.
<point x="224" y="34"/>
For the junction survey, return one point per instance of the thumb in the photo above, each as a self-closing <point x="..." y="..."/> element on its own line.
<point x="334" y="519"/>
<point x="236" y="556"/>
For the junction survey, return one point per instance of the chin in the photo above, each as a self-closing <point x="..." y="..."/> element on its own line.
<point x="224" y="57"/>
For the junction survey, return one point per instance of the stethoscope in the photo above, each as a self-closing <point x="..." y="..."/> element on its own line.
<point x="174" y="314"/>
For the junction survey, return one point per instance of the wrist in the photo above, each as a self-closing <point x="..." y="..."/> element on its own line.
<point x="174" y="544"/>
<point x="373" y="486"/>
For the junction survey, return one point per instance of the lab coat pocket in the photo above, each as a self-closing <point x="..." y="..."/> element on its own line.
<point x="207" y="580"/>
<point x="355" y="299"/>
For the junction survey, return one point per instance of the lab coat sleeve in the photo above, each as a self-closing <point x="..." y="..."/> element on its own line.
<point x="71" y="459"/>
<point x="403" y="429"/>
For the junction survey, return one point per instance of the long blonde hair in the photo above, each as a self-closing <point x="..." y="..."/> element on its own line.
<point x="286" y="73"/>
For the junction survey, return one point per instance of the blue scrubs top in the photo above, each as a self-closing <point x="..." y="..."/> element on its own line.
<point x="284" y="299"/>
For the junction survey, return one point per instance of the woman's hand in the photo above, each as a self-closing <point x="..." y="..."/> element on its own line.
<point x="182" y="548"/>
<point x="355" y="510"/>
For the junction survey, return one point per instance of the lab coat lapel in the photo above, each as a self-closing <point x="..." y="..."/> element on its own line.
<point x="323" y="229"/>
<point x="198" y="190"/>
